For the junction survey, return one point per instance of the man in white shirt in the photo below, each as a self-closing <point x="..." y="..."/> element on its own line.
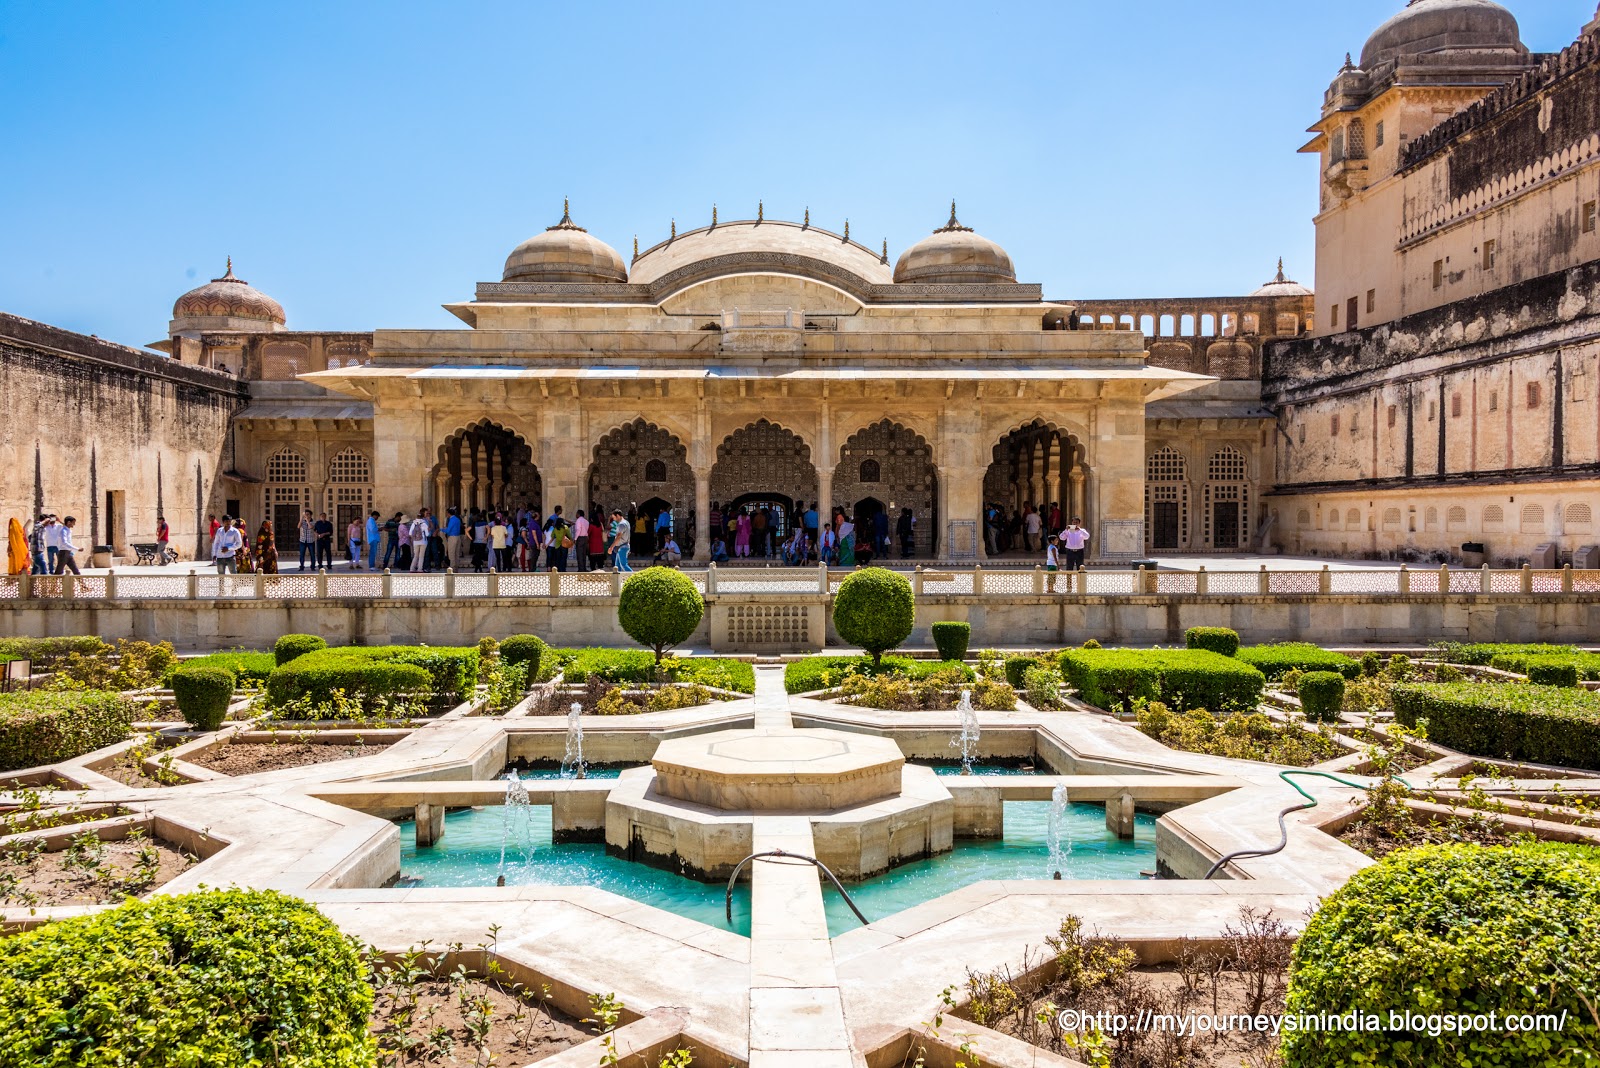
<point x="1075" y="539"/>
<point x="1031" y="526"/>
<point x="225" y="547"/>
<point x="419" y="542"/>
<point x="66" y="551"/>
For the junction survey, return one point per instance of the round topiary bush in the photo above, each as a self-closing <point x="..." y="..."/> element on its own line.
<point x="222" y="977"/>
<point x="659" y="608"/>
<point x="1217" y="639"/>
<point x="203" y="694"/>
<point x="951" y="639"/>
<point x="1454" y="930"/>
<point x="524" y="649"/>
<point x="294" y="645"/>
<point x="875" y="609"/>
<point x="1321" y="695"/>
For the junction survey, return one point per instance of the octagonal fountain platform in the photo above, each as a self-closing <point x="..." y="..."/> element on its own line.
<point x="691" y="811"/>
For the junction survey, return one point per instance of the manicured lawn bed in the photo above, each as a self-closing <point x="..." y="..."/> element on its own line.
<point x="247" y="758"/>
<point x="639" y="666"/>
<point x="825" y="672"/>
<point x="88" y="871"/>
<point x="1189" y="678"/>
<point x="1541" y="724"/>
<point x="1274" y="661"/>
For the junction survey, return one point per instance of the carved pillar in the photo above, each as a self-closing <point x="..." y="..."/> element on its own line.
<point x="1053" y="486"/>
<point x="1036" y="474"/>
<point x="702" y="510"/>
<point x="1078" y="478"/>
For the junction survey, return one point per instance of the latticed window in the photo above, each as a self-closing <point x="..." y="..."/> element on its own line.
<point x="1303" y="518"/>
<point x="1430" y="519"/>
<point x="1533" y="519"/>
<point x="350" y="467"/>
<point x="1227" y="500"/>
<point x="655" y="471"/>
<point x="286" y="465"/>
<point x="1494" y="517"/>
<point x="1391" y="519"/>
<point x="1166" y="499"/>
<point x="870" y="472"/>
<point x="1579" y="518"/>
<point x="1456" y="518"/>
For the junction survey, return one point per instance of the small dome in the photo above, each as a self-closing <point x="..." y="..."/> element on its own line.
<point x="1282" y="287"/>
<point x="228" y="297"/>
<point x="954" y="255"/>
<point x="1443" y="25"/>
<point x="565" y="252"/>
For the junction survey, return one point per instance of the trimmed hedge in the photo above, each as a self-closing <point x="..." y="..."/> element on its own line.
<point x="291" y="646"/>
<point x="1459" y="930"/>
<point x="951" y="639"/>
<point x="638" y="666"/>
<point x="825" y="672"/>
<point x="1584" y="665"/>
<point x="1542" y="724"/>
<point x="227" y="978"/>
<point x="1216" y="639"/>
<point x="1274" y="661"/>
<point x="49" y="726"/>
<point x="875" y="609"/>
<point x="1550" y="670"/>
<point x="1017" y="668"/>
<point x="1189" y="678"/>
<point x="203" y="694"/>
<point x="316" y="676"/>
<point x="1322" y="695"/>
<point x="248" y="669"/>
<point x="46" y="653"/>
<point x="524" y="649"/>
<point x="1482" y="654"/>
<point x="660" y="608"/>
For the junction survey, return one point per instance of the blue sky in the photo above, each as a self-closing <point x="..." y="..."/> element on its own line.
<point x="364" y="163"/>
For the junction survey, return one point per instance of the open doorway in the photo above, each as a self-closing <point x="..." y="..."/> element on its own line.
<point x="117" y="521"/>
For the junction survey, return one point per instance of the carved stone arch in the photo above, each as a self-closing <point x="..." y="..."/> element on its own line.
<point x="764" y="465"/>
<point x="485" y="464"/>
<point x="1039" y="461"/>
<point x="890" y="467"/>
<point x="622" y="464"/>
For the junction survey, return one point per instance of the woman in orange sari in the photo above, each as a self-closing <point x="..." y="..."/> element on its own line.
<point x="266" y="549"/>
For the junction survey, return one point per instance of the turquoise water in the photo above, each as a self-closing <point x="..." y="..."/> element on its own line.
<point x="469" y="855"/>
<point x="593" y="771"/>
<point x="953" y="767"/>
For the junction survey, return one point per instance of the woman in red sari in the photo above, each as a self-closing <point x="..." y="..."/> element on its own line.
<point x="266" y="549"/>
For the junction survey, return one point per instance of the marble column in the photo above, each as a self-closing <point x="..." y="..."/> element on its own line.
<point x="1077" y="479"/>
<point x="702" y="510"/>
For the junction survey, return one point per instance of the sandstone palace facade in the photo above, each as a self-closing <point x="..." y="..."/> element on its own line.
<point x="1438" y="389"/>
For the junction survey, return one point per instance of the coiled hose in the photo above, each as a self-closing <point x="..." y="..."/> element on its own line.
<point x="1283" y="827"/>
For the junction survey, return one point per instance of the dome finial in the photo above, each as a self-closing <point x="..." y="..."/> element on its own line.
<point x="674" y="235"/>
<point x="847" y="229"/>
<point x="807" y="224"/>
<point x="229" y="272"/>
<point x="713" y="214"/>
<point x="566" y="222"/>
<point x="1280" y="277"/>
<point x="635" y="246"/>
<point x="761" y="210"/>
<point x="885" y="257"/>
<point x="954" y="225"/>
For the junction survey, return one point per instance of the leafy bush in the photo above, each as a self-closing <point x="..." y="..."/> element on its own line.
<point x="49" y="726"/>
<point x="1551" y="671"/>
<point x="135" y="665"/>
<point x="929" y="691"/>
<point x="1543" y="724"/>
<point x="203" y="694"/>
<point x="1482" y="654"/>
<point x="1584" y="665"/>
<point x="1457" y="929"/>
<point x="1043" y="687"/>
<point x="1192" y="678"/>
<point x="524" y="649"/>
<point x="1017" y="668"/>
<point x="1216" y="639"/>
<point x="1247" y="736"/>
<point x="875" y="609"/>
<point x="225" y="978"/>
<point x="316" y="676"/>
<point x="951" y="639"/>
<point x="1322" y="695"/>
<point x="248" y="669"/>
<point x="291" y="646"/>
<point x="1274" y="661"/>
<point x="826" y="672"/>
<point x="1092" y="643"/>
<point x="452" y="671"/>
<point x="637" y="666"/>
<point x="46" y="653"/>
<point x="660" y="608"/>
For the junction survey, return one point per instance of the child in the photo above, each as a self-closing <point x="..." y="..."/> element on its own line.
<point x="1052" y="561"/>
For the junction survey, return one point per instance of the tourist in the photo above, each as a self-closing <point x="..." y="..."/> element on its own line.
<point x="352" y="544"/>
<point x="478" y="524"/>
<point x="452" y="537"/>
<point x="643" y="530"/>
<point x="533" y="534"/>
<point x="373" y="531"/>
<point x="663" y="525"/>
<point x="163" y="538"/>
<point x="324" y="531"/>
<point x="1074" y="538"/>
<point x="36" y="545"/>
<point x="906" y="528"/>
<point x="599" y="536"/>
<point x="796" y="549"/>
<point x="847" y="543"/>
<point x="391" y="541"/>
<point x="211" y="530"/>
<point x="880" y="533"/>
<point x="715" y="524"/>
<point x="308" y="539"/>
<point x="808" y="520"/>
<point x="741" y="534"/>
<point x="225" y="547"/>
<point x="500" y="543"/>
<point x="760" y="529"/>
<point x="1052" y="562"/>
<point x="66" y="551"/>
<point x="419" y="542"/>
<point x="1032" y="526"/>
<point x="52" y="543"/>
<point x="991" y="529"/>
<point x="620" y="540"/>
<point x="266" y="549"/>
<point x="402" y="542"/>
<point x="828" y="546"/>
<point x="580" y="542"/>
<point x="719" y="551"/>
<point x="669" y="554"/>
<point x="437" y="558"/>
<point x="1055" y="516"/>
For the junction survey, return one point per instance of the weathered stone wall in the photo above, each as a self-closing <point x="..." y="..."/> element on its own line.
<point x="110" y="435"/>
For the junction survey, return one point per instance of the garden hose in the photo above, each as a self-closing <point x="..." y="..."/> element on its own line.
<point x="1283" y="827"/>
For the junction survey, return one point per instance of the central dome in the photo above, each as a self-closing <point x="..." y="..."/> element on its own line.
<point x="761" y="245"/>
<point x="1443" y="25"/>
<point x="955" y="255"/>
<point x="565" y="252"/>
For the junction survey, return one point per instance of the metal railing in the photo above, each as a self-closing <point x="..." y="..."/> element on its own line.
<point x="977" y="581"/>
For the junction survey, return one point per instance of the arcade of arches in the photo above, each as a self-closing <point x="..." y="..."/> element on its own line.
<point x="1037" y="465"/>
<point x="486" y="466"/>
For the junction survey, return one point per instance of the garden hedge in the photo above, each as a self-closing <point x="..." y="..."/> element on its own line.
<point x="221" y="978"/>
<point x="49" y="726"/>
<point x="638" y="666"/>
<point x="1017" y="668"/>
<point x="1584" y="665"/>
<point x="825" y="672"/>
<point x="290" y="646"/>
<point x="1188" y="678"/>
<point x="1482" y="654"/>
<point x="1322" y="695"/>
<point x="875" y="609"/>
<point x="1274" y="661"/>
<point x="524" y="649"/>
<point x="1457" y="930"/>
<point x="660" y="608"/>
<point x="1542" y="724"/>
<point x="46" y="653"/>
<point x="1216" y="639"/>
<point x="951" y="639"/>
<point x="203" y="694"/>
<point x="316" y="676"/>
<point x="248" y="669"/>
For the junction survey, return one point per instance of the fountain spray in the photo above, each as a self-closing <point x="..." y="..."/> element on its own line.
<point x="1055" y="833"/>
<point x="572" y="766"/>
<point x="967" y="740"/>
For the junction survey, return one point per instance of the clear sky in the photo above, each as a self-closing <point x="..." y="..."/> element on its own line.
<point x="364" y="163"/>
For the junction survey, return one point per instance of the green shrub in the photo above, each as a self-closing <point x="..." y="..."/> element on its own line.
<point x="1242" y="736"/>
<point x="1092" y="643"/>
<point x="315" y="676"/>
<point x="49" y="726"/>
<point x="894" y="691"/>
<point x="1584" y="665"/>
<point x="638" y="666"/>
<point x="1454" y="929"/>
<point x="1482" y="654"/>
<point x="874" y="609"/>
<point x="203" y="694"/>
<point x="1274" y="661"/>
<point x="951" y="639"/>
<point x="1043" y="687"/>
<point x="133" y="665"/>
<point x="46" y="653"/>
<point x="660" y="608"/>
<point x="826" y="672"/>
<point x="1191" y="678"/>
<point x="248" y="669"/>
<point x="1216" y="639"/>
<point x="291" y="646"/>
<point x="1017" y="668"/>
<point x="1551" y="671"/>
<point x="1322" y="695"/>
<point x="524" y="649"/>
<point x="452" y="671"/>
<point x="1542" y="724"/>
<point x="222" y="978"/>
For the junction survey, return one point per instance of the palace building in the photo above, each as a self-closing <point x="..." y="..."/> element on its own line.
<point x="1442" y="394"/>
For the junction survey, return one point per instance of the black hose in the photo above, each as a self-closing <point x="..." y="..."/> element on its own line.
<point x="1283" y="827"/>
<point x="728" y="900"/>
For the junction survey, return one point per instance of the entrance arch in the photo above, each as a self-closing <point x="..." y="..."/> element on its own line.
<point x="763" y="464"/>
<point x="641" y="467"/>
<point x="486" y="465"/>
<point x="889" y="468"/>
<point x="1036" y="464"/>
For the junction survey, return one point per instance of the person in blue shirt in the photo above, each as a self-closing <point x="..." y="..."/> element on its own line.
<point x="372" y="542"/>
<point x="452" y="539"/>
<point x="808" y="520"/>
